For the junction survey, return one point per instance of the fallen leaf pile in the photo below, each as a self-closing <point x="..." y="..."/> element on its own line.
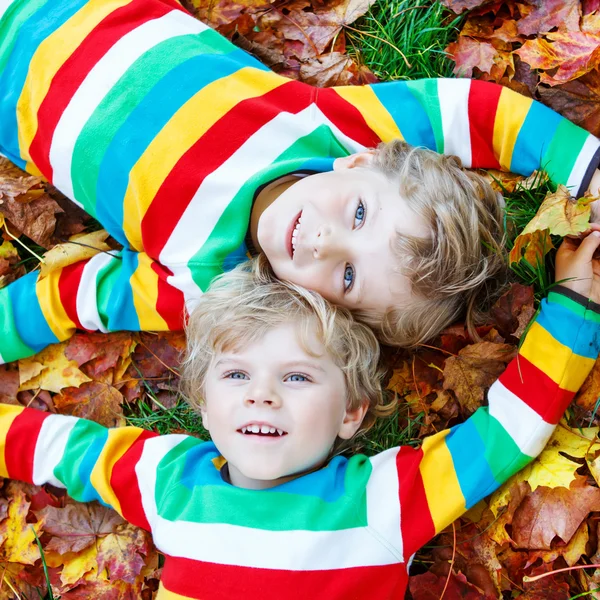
<point x="545" y="49"/>
<point x="543" y="520"/>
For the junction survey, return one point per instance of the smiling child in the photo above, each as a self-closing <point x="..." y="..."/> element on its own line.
<point x="283" y="379"/>
<point x="192" y="154"/>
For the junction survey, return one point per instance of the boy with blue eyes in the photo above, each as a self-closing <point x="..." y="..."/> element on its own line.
<point x="192" y="154"/>
<point x="269" y="508"/>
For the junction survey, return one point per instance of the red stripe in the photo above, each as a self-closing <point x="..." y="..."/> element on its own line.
<point x="210" y="152"/>
<point x="533" y="387"/>
<point x="171" y="301"/>
<point x="211" y="581"/>
<point x="415" y="519"/>
<point x="21" y="441"/>
<point x="123" y="473"/>
<point x="68" y="284"/>
<point x="483" y="105"/>
<point x="346" y="117"/>
<point x="76" y="68"/>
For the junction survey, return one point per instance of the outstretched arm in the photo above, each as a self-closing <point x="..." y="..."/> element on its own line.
<point x="485" y="124"/>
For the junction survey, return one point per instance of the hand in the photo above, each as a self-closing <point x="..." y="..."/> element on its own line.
<point x="576" y="267"/>
<point x="594" y="189"/>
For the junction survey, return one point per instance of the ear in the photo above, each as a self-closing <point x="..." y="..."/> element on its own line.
<point x="204" y="415"/>
<point x="358" y="159"/>
<point x="352" y="420"/>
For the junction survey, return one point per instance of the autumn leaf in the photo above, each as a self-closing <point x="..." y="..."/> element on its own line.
<point x="469" y="53"/>
<point x="550" y="14"/>
<point x="93" y="400"/>
<point x="571" y="552"/>
<point x="459" y="6"/>
<point x="589" y="392"/>
<point x="428" y="586"/>
<point x="123" y="552"/>
<point x="513" y="311"/>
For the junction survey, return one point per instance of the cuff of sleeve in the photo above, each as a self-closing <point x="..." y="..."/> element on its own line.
<point x="576" y="302"/>
<point x="589" y="172"/>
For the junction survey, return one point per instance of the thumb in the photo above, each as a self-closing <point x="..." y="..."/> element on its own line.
<point x="588" y="246"/>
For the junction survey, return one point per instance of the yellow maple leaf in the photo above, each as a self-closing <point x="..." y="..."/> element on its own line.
<point x="75" y="564"/>
<point x="551" y="468"/>
<point x="50" y="370"/>
<point x="79" y="247"/>
<point x="559" y="214"/>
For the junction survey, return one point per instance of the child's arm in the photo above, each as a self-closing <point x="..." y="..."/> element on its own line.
<point x="485" y="124"/>
<point x="117" y="467"/>
<point x="455" y="468"/>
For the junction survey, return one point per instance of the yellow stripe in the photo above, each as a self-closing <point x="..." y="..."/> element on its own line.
<point x="49" y="298"/>
<point x="510" y="116"/>
<point x="164" y="594"/>
<point x="31" y="168"/>
<point x="372" y="110"/>
<point x="8" y="414"/>
<point x="444" y="497"/>
<point x="144" y="285"/>
<point x="47" y="60"/>
<point x="184" y="129"/>
<point x="551" y="357"/>
<point x="117" y="443"/>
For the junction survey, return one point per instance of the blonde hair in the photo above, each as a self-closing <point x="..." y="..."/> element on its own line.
<point x="462" y="265"/>
<point x="243" y="304"/>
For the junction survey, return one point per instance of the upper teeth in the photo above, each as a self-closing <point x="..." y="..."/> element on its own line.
<point x="261" y="429"/>
<point x="295" y="233"/>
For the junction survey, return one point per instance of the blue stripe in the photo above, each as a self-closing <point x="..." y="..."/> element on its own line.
<point x="534" y="139"/>
<point x="407" y="111"/>
<point x="33" y="32"/>
<point x="87" y="493"/>
<point x="144" y="124"/>
<point x="472" y="469"/>
<point x="569" y="329"/>
<point x="121" y="309"/>
<point x="29" y="319"/>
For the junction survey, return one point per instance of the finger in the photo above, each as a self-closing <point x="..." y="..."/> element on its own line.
<point x="588" y="246"/>
<point x="582" y="234"/>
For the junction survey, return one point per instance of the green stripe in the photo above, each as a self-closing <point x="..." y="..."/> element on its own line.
<point x="426" y="91"/>
<point x="504" y="446"/>
<point x="273" y="511"/>
<point x="231" y="229"/>
<point x="107" y="279"/>
<point x="124" y="97"/>
<point x="568" y="303"/>
<point x="12" y="346"/>
<point x="10" y="25"/>
<point x="561" y="155"/>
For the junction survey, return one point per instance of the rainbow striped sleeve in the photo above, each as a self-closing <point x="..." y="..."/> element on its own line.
<point x="456" y="468"/>
<point x="487" y="125"/>
<point x="88" y="460"/>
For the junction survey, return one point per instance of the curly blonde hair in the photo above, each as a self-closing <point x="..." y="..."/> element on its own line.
<point x="461" y="266"/>
<point x="243" y="304"/>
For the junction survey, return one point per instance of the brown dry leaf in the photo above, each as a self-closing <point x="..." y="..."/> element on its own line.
<point x="571" y="552"/>
<point x="475" y="368"/>
<point x="9" y="384"/>
<point x="50" y="370"/>
<point x="559" y="214"/>
<point x="469" y="53"/>
<point x="77" y="525"/>
<point x="588" y="394"/>
<point x="572" y="54"/>
<point x="513" y="311"/>
<point x="551" y="14"/>
<point x="430" y="586"/>
<point x="122" y="553"/>
<point x="459" y="5"/>
<point x="99" y="402"/>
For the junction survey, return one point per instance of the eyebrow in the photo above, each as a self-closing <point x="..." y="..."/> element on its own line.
<point x="303" y="363"/>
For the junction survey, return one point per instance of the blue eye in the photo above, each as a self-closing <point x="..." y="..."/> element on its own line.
<point x="348" y="277"/>
<point x="236" y="375"/>
<point x="359" y="215"/>
<point x="297" y="377"/>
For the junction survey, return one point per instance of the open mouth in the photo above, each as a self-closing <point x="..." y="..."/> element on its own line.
<point x="262" y="431"/>
<point x="292" y="234"/>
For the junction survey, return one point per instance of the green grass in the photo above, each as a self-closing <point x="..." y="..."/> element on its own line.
<point x="404" y="39"/>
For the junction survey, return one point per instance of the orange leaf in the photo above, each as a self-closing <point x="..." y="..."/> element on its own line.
<point x="469" y="53"/>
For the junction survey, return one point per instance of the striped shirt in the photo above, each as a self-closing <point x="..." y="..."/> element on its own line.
<point x="163" y="131"/>
<point x="343" y="532"/>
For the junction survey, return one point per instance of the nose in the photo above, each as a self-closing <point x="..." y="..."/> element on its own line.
<point x="328" y="242"/>
<point x="262" y="392"/>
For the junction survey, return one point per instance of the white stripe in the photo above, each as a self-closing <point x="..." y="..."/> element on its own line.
<point x="383" y="501"/>
<point x="87" y="300"/>
<point x="2" y="361"/>
<point x="153" y="452"/>
<point x="50" y="448"/>
<point x="529" y="431"/>
<point x="582" y="163"/>
<point x="219" y="187"/>
<point x="101" y="79"/>
<point x="4" y="4"/>
<point x="454" y="108"/>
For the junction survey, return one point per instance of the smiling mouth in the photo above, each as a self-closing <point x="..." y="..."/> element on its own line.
<point x="293" y="231"/>
<point x="262" y="430"/>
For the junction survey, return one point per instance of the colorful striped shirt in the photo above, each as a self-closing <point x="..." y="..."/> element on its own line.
<point x="343" y="532"/>
<point x="164" y="131"/>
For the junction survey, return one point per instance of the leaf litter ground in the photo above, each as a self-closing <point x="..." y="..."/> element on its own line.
<point x="544" y="519"/>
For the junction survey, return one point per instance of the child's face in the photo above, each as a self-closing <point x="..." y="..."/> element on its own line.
<point x="342" y="246"/>
<point x="274" y="384"/>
